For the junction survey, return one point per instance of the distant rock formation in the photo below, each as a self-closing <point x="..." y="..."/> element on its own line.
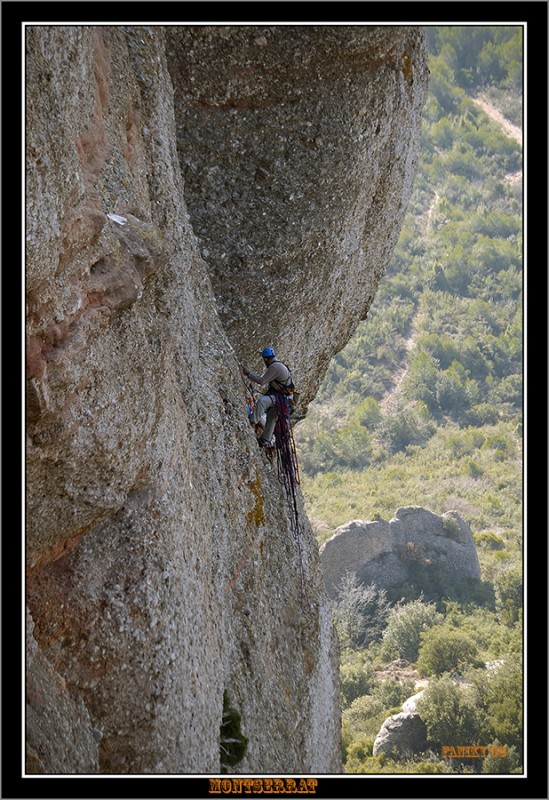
<point x="385" y="553"/>
<point x="401" y="735"/>
<point x="404" y="734"/>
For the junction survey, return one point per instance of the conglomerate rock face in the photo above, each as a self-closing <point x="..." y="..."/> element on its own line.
<point x="161" y="567"/>
<point x="298" y="148"/>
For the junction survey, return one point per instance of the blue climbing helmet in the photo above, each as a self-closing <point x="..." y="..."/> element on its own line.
<point x="268" y="352"/>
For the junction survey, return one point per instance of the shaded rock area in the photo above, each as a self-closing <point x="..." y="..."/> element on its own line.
<point x="61" y="733"/>
<point x="389" y="553"/>
<point x="401" y="735"/>
<point x="297" y="148"/>
<point x="192" y="194"/>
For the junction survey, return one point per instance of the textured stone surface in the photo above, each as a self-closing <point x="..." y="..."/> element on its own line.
<point x="161" y="564"/>
<point x="60" y="736"/>
<point x="298" y="146"/>
<point x="411" y="704"/>
<point x="384" y="552"/>
<point x="401" y="735"/>
<point x="404" y="734"/>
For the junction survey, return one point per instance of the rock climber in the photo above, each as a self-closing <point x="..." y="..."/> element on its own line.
<point x="278" y="379"/>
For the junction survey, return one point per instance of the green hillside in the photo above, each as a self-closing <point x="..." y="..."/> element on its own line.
<point x="424" y="405"/>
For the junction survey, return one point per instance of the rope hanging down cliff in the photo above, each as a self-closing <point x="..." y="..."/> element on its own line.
<point x="288" y="475"/>
<point x="271" y="415"/>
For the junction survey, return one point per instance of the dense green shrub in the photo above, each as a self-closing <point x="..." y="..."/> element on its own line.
<point x="450" y="714"/>
<point x="392" y="692"/>
<point x="509" y="595"/>
<point x="499" y="692"/>
<point x="511" y="763"/>
<point x="467" y="442"/>
<point x="357" y="752"/>
<point x="445" y="650"/>
<point x="405" y="624"/>
<point x="489" y="541"/>
<point x="356" y="679"/>
<point x="409" y="426"/>
<point x="367" y="413"/>
<point x="366" y="714"/>
<point x="472" y="469"/>
<point x="454" y="390"/>
<point x="420" y="380"/>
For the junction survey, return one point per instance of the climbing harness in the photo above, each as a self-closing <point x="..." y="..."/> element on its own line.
<point x="267" y="449"/>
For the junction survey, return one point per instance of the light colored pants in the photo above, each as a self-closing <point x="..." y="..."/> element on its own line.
<point x="265" y="413"/>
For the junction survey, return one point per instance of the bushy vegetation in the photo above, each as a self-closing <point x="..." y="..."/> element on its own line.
<point x="445" y="327"/>
<point x="232" y="742"/>
<point x="359" y="611"/>
<point x="424" y="407"/>
<point x="465" y="665"/>
<point x="446" y="649"/>
<point x="406" y="623"/>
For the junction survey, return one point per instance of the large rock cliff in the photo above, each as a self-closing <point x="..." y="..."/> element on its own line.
<point x="193" y="193"/>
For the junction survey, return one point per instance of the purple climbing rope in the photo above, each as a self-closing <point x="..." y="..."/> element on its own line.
<point x="288" y="475"/>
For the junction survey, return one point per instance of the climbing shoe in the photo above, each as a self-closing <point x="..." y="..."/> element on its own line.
<point x="261" y="442"/>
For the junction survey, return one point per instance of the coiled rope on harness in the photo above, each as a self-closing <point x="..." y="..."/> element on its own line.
<point x="288" y="475"/>
<point x="287" y="469"/>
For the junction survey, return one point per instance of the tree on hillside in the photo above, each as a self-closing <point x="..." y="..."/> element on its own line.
<point x="444" y="649"/>
<point x="450" y="714"/>
<point x="359" y="611"/>
<point x="405" y="624"/>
